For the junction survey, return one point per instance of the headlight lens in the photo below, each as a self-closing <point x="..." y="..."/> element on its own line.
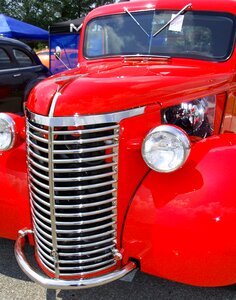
<point x="6" y="132"/>
<point x="165" y="148"/>
<point x="195" y="117"/>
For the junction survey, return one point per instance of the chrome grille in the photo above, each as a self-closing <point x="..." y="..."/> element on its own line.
<point x="73" y="184"/>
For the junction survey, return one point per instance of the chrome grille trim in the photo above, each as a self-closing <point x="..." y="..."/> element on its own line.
<point x="78" y="120"/>
<point x="88" y="130"/>
<point x="88" y="272"/>
<point x="82" y="141"/>
<point x="72" y="239"/>
<point x="81" y="160"/>
<point x="45" y="255"/>
<point x="74" y="246"/>
<point x="38" y="156"/>
<point x="42" y="245"/>
<point x="82" y="261"/>
<point x="88" y="196"/>
<point x="39" y="229"/>
<point x="38" y="174"/>
<point x="40" y="218"/>
<point x="39" y="148"/>
<point x="41" y="209"/>
<point x="85" y="150"/>
<point x="37" y="128"/>
<point x="79" y="170"/>
<point x="39" y="183"/>
<point x="41" y="201"/>
<point x="79" y="231"/>
<point x="32" y="162"/>
<point x="37" y="138"/>
<point x="88" y="237"/>
<point x="40" y="238"/>
<point x="46" y="264"/>
<point x="88" y="267"/>
<point x="86" y="252"/>
<point x="84" y="228"/>
<point x="72" y="164"/>
<point x="33" y="187"/>
<point x="86" y="214"/>
<point x="85" y="178"/>
<point x="85" y="187"/>
<point x="86" y="222"/>
<point x="87" y="205"/>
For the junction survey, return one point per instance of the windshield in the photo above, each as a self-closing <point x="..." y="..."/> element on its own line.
<point x="199" y="35"/>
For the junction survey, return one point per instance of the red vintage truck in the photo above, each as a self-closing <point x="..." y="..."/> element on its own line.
<point x="128" y="161"/>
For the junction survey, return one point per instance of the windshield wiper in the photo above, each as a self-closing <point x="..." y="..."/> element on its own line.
<point x="135" y="20"/>
<point x="183" y="10"/>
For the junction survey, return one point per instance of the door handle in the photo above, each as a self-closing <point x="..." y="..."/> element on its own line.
<point x="17" y="75"/>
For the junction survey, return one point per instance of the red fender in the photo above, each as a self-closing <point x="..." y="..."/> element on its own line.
<point x="181" y="225"/>
<point x="14" y="198"/>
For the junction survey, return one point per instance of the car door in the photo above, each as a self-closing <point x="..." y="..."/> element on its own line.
<point x="11" y="81"/>
<point x="29" y="67"/>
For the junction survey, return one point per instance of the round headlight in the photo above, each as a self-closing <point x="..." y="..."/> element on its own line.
<point x="6" y="132"/>
<point x="165" y="148"/>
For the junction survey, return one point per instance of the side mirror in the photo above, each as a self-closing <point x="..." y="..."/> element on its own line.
<point x="57" y="52"/>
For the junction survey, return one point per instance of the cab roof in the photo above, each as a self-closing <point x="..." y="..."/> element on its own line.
<point x="139" y="5"/>
<point x="13" y="42"/>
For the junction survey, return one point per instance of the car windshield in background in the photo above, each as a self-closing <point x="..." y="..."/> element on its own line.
<point x="199" y="35"/>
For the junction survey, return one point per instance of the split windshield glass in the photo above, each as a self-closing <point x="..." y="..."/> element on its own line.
<point x="199" y="35"/>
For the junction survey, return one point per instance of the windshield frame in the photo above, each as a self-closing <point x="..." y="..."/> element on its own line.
<point x="196" y="56"/>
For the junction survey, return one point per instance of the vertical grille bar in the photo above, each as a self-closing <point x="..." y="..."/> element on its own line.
<point x="54" y="252"/>
<point x="73" y="190"/>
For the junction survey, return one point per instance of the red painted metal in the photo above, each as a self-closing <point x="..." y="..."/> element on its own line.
<point x="152" y="83"/>
<point x="179" y="225"/>
<point x="14" y="198"/>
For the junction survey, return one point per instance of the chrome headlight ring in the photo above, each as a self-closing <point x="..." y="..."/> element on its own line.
<point x="7" y="132"/>
<point x="166" y="148"/>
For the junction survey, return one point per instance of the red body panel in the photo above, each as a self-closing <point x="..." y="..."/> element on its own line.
<point x="152" y="83"/>
<point x="179" y="225"/>
<point x="14" y="196"/>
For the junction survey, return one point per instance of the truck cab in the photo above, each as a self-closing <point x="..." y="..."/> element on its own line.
<point x="128" y="160"/>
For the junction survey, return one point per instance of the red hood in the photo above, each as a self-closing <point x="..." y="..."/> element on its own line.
<point x="117" y="86"/>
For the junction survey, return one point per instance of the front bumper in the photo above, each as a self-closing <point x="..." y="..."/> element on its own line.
<point x="50" y="283"/>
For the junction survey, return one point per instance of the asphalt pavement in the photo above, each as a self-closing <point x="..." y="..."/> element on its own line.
<point x="14" y="285"/>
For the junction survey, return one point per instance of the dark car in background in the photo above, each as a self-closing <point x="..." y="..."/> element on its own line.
<point x="20" y="71"/>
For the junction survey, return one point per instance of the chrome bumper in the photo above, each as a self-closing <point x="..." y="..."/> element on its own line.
<point x="50" y="283"/>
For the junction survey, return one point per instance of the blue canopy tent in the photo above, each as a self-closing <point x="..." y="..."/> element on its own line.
<point x="10" y="27"/>
<point x="66" y="35"/>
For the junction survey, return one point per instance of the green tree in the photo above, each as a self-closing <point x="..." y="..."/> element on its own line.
<point x="47" y="12"/>
<point x="79" y="8"/>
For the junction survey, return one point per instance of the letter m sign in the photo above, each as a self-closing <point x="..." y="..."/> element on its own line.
<point x="75" y="28"/>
